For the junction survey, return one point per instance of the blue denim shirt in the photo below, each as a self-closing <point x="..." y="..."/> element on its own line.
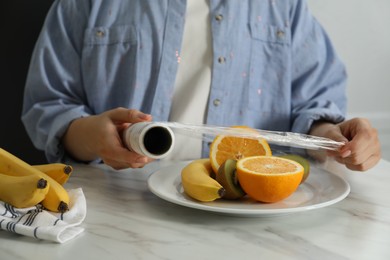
<point x="274" y="67"/>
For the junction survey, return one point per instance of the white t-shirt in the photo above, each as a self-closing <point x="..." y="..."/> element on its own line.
<point x="193" y="80"/>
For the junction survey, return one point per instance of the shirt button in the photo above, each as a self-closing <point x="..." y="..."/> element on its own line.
<point x="100" y="33"/>
<point x="219" y="17"/>
<point x="217" y="102"/>
<point x="221" y="60"/>
<point x="280" y="34"/>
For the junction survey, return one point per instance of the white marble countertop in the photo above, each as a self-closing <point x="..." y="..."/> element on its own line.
<point x="126" y="221"/>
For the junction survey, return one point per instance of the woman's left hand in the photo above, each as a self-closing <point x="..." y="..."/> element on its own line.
<point x="362" y="149"/>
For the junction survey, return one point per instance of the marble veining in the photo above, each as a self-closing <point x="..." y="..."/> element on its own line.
<point x="126" y="221"/>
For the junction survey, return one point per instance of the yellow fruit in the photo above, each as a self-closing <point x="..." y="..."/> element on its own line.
<point x="23" y="191"/>
<point x="197" y="182"/>
<point x="56" y="199"/>
<point x="226" y="147"/>
<point x="58" y="171"/>
<point x="269" y="178"/>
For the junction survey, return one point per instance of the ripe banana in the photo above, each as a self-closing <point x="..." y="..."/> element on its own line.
<point x="57" y="198"/>
<point x="58" y="171"/>
<point x="197" y="182"/>
<point x="23" y="191"/>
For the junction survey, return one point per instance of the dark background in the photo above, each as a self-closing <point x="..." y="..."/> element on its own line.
<point x="21" y="21"/>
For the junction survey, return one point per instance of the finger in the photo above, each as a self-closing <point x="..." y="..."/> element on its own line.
<point x="123" y="115"/>
<point x="362" y="161"/>
<point x="334" y="132"/>
<point x="120" y="166"/>
<point x="368" y="164"/>
<point x="363" y="146"/>
<point x="359" y="143"/>
<point x="360" y="133"/>
<point x="337" y="153"/>
<point x="115" y="165"/>
<point x="359" y="157"/>
<point x="126" y="158"/>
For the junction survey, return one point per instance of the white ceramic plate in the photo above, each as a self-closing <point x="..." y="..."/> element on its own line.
<point x="320" y="189"/>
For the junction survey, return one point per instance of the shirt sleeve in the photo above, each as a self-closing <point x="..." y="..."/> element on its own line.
<point x="318" y="75"/>
<point x="53" y="94"/>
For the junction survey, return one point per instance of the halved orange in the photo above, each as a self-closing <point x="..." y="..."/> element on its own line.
<point x="226" y="147"/>
<point x="269" y="178"/>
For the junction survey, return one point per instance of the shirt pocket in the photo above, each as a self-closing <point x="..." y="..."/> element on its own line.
<point x="108" y="62"/>
<point x="269" y="88"/>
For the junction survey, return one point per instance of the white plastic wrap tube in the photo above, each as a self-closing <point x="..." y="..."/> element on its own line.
<point x="152" y="139"/>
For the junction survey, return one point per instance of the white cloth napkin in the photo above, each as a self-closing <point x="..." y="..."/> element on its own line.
<point x="42" y="224"/>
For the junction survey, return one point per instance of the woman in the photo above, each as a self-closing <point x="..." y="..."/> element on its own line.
<point x="265" y="64"/>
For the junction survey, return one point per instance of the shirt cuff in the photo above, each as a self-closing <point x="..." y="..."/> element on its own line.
<point x="55" y="151"/>
<point x="304" y="121"/>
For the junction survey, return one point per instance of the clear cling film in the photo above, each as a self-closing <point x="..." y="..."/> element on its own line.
<point x="296" y="140"/>
<point x="157" y="139"/>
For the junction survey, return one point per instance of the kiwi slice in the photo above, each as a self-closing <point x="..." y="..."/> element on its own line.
<point x="227" y="177"/>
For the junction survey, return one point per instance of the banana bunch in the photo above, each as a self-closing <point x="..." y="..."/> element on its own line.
<point x="198" y="183"/>
<point x="24" y="175"/>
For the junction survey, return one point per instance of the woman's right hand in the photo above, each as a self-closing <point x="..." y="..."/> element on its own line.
<point x="99" y="136"/>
